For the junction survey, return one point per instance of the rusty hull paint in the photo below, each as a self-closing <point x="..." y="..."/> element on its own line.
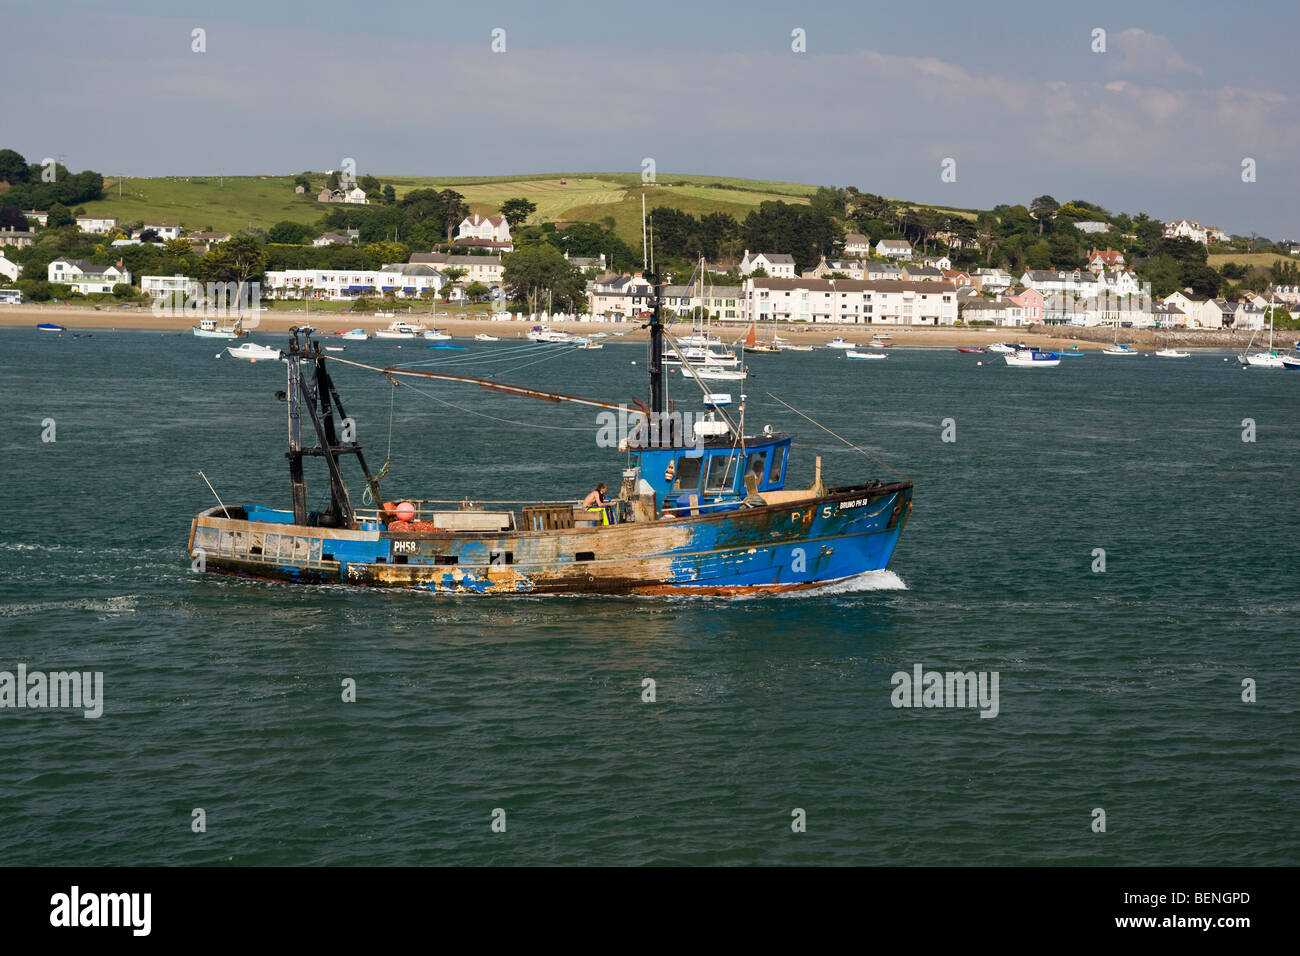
<point x="662" y="557"/>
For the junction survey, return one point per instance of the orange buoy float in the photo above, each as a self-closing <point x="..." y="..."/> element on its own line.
<point x="406" y="511"/>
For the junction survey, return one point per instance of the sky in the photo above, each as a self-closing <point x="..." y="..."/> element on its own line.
<point x="1157" y="114"/>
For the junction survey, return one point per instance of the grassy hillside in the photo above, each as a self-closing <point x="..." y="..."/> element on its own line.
<point x="1264" y="259"/>
<point x="236" y="202"/>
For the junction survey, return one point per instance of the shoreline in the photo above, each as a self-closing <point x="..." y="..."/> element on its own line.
<point x="942" y="337"/>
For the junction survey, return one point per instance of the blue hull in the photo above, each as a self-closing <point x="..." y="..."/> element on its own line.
<point x="774" y="548"/>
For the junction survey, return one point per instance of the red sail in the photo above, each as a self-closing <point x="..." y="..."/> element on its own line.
<point x="750" y="340"/>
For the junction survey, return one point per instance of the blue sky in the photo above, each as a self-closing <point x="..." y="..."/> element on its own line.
<point x="1160" y="122"/>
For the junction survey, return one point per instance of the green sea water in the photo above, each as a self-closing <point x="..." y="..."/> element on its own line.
<point x="1119" y="690"/>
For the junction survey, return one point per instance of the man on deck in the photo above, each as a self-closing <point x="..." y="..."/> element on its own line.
<point x="596" y="501"/>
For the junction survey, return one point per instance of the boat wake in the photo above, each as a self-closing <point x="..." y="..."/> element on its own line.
<point x="115" y="605"/>
<point x="885" y="580"/>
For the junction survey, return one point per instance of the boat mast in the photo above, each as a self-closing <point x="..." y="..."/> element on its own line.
<point x="309" y="392"/>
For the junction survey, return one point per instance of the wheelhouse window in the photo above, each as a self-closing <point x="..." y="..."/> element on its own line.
<point x="778" y="462"/>
<point x="755" y="466"/>
<point x="719" y="471"/>
<point x="688" y="474"/>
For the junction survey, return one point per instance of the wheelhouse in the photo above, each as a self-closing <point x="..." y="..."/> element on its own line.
<point x="715" y="475"/>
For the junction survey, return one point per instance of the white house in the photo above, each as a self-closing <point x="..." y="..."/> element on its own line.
<point x="991" y="280"/>
<point x="98" y="225"/>
<point x="883" y="302"/>
<point x="1051" y="282"/>
<point x="169" y="286"/>
<point x="484" y="269"/>
<point x="942" y="263"/>
<point x="1185" y="304"/>
<point x="856" y="245"/>
<point x="86" y="277"/>
<point x="894" y="248"/>
<point x="404" y="280"/>
<point x="778" y="265"/>
<point x="38" y="216"/>
<point x="9" y="269"/>
<point x="998" y="311"/>
<point x="620" y="297"/>
<point x="165" y="230"/>
<point x="1187" y="229"/>
<point x="356" y="196"/>
<point x="493" y="229"/>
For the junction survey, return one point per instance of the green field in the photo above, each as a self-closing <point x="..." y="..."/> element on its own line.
<point x="237" y="202"/>
<point x="1265" y="259"/>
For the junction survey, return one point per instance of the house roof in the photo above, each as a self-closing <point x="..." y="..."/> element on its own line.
<point x="855" y="237"/>
<point x="87" y="267"/>
<point x="853" y="285"/>
<point x="894" y="243"/>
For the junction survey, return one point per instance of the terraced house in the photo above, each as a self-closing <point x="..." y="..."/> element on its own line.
<point x="851" y="301"/>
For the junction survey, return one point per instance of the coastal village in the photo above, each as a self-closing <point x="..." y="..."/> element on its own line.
<point x="855" y="281"/>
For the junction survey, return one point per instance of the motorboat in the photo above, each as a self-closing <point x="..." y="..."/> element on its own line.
<point x="853" y="354"/>
<point x="401" y="330"/>
<point x="484" y="337"/>
<point x="839" y="343"/>
<point x="1001" y="348"/>
<point x="1173" y="353"/>
<point x="251" y="352"/>
<point x="437" y="335"/>
<point x="355" y="335"/>
<point x="1032" y="358"/>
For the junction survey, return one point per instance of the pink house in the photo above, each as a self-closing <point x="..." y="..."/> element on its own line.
<point x="1031" y="299"/>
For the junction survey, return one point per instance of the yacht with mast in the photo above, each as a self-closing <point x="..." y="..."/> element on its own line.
<point x="1261" y="359"/>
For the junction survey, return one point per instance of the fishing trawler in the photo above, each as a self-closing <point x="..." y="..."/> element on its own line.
<point x="702" y="509"/>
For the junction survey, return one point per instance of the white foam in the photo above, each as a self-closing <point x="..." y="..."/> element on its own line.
<point x="885" y="580"/>
<point x="114" y="605"/>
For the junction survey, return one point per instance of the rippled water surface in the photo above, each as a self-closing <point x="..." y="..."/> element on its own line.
<point x="1118" y="690"/>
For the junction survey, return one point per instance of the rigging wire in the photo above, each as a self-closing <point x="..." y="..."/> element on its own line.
<point x="836" y="435"/>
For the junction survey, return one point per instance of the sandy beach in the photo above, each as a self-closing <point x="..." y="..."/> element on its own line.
<point x="1054" y="337"/>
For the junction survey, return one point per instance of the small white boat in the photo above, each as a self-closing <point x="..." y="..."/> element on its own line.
<point x="437" y="335"/>
<point x="400" y="330"/>
<point x="335" y="348"/>
<point x="1173" y="353"/>
<point x="589" y="345"/>
<point x="484" y="337"/>
<point x="795" y="348"/>
<point x="851" y="354"/>
<point x="710" y="374"/>
<point x="208" y="329"/>
<point x="355" y="335"/>
<point x="1291" y="363"/>
<point x="1032" y="358"/>
<point x="540" y="333"/>
<point x="839" y="343"/>
<point x="1000" y="348"/>
<point x="251" y="352"/>
<point x="1119" y="349"/>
